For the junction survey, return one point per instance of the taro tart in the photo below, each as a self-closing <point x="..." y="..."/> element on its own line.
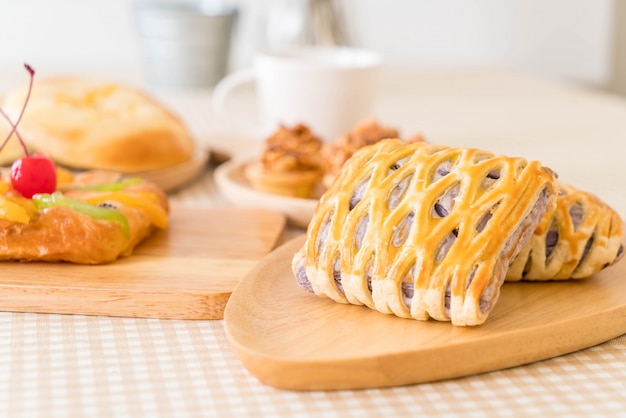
<point x="423" y="231"/>
<point x="580" y="237"/>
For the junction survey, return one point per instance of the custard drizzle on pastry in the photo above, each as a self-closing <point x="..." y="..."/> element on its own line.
<point x="421" y="231"/>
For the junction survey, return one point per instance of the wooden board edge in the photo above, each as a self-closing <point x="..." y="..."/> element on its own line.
<point x="194" y="306"/>
<point x="427" y="367"/>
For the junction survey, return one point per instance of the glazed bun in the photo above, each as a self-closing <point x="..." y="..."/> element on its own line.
<point x="85" y="123"/>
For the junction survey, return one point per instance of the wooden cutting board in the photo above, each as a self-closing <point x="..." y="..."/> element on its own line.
<point x="292" y="339"/>
<point x="187" y="271"/>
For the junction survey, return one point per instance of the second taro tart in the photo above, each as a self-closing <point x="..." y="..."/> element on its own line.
<point x="290" y="163"/>
<point x="580" y="237"/>
<point x="423" y="231"/>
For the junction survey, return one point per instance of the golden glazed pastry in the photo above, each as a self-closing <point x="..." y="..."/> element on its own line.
<point x="580" y="237"/>
<point x="89" y="124"/>
<point x="94" y="217"/>
<point x="290" y="163"/>
<point x="421" y="231"/>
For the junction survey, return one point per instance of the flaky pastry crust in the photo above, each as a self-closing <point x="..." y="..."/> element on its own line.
<point x="423" y="231"/>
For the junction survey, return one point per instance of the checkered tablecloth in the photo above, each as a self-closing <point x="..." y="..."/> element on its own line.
<point x="83" y="366"/>
<point x="78" y="366"/>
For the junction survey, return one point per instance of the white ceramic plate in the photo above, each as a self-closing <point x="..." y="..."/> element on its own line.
<point x="237" y="190"/>
<point x="178" y="175"/>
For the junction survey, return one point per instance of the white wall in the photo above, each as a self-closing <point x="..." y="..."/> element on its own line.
<point x="564" y="38"/>
<point x="569" y="38"/>
<point x="67" y="34"/>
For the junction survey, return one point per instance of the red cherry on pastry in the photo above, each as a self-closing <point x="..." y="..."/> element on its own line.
<point x="35" y="173"/>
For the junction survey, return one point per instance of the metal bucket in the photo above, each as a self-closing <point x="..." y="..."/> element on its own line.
<point x="184" y="44"/>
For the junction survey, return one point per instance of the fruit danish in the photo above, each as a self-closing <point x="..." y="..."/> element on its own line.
<point x="580" y="237"/>
<point x="423" y="231"/>
<point x="92" y="217"/>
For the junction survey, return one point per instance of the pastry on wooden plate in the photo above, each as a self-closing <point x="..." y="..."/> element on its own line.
<point x="580" y="237"/>
<point x="423" y="231"/>
<point x="367" y="132"/>
<point x="289" y="165"/>
<point x="84" y="123"/>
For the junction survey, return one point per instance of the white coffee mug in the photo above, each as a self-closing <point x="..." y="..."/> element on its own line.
<point x="330" y="89"/>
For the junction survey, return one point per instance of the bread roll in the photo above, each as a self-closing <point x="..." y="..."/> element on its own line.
<point x="85" y="123"/>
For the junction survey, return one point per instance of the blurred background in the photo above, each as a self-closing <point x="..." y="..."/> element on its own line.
<point x="579" y="40"/>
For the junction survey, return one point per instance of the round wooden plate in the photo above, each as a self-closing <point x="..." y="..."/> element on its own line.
<point x="233" y="184"/>
<point x="292" y="339"/>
